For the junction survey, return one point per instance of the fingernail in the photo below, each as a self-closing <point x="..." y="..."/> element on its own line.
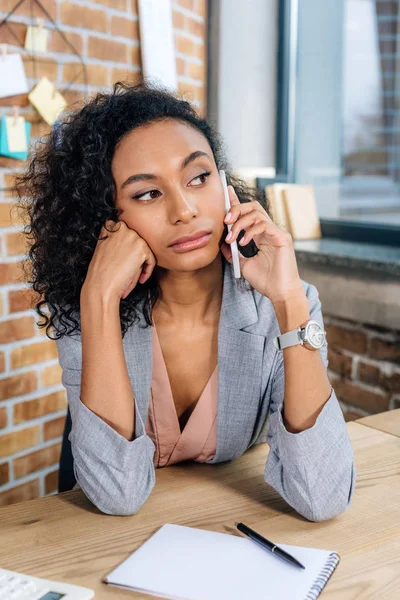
<point x="228" y="237"/>
<point x="228" y="216"/>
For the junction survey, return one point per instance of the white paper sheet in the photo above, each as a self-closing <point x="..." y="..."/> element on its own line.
<point x="184" y="563"/>
<point x="12" y="76"/>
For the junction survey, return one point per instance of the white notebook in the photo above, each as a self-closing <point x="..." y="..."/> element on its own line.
<point x="184" y="563"/>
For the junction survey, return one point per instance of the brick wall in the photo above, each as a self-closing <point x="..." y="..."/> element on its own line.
<point x="32" y="399"/>
<point x="364" y="366"/>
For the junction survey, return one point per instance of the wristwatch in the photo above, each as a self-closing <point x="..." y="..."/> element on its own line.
<point x="309" y="334"/>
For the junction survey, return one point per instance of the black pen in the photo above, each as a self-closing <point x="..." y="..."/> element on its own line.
<point x="276" y="551"/>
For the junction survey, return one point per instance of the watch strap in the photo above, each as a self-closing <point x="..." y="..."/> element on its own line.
<point x="290" y="338"/>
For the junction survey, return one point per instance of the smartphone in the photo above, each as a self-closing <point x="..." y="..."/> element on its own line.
<point x="233" y="245"/>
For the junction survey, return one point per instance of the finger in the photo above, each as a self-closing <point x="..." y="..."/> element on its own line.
<point x="243" y="223"/>
<point x="147" y="269"/>
<point x="251" y="232"/>
<point x="243" y="208"/>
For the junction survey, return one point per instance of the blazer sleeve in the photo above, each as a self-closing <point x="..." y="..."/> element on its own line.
<point x="313" y="470"/>
<point x="116" y="475"/>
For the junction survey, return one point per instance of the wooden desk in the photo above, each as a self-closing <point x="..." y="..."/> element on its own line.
<point x="64" y="537"/>
<point x="388" y="421"/>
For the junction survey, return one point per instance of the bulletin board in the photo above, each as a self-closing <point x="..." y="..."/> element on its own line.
<point x="34" y="57"/>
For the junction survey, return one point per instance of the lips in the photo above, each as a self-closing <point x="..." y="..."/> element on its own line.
<point x="189" y="238"/>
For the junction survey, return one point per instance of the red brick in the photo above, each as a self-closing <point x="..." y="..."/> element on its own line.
<point x="372" y="402"/>
<point x="10" y="215"/>
<point x="26" y="10"/>
<point x="11" y="273"/>
<point x="13" y="442"/>
<point x="40" y="67"/>
<point x="186" y="90"/>
<point x="368" y="373"/>
<point x="16" y="243"/>
<point x="196" y="28"/>
<point x="202" y="8"/>
<point x="21" y="493"/>
<point x="16" y="329"/>
<point x="3" y="417"/>
<point x="29" y="463"/>
<point x="385" y="350"/>
<point x="50" y="375"/>
<point x="57" y="43"/>
<point x="197" y="71"/>
<point x="178" y="20"/>
<point x="88" y="18"/>
<point x="201" y="52"/>
<point x="54" y="428"/>
<point x="125" y="74"/>
<point x="339" y="362"/>
<point x="18" y="100"/>
<point x="180" y="66"/>
<point x="390" y="382"/>
<point x="4" y="473"/>
<point x="185" y="45"/>
<point x="125" y="27"/>
<point x="355" y="341"/>
<point x="96" y="74"/>
<point x="136" y="56"/>
<point x="5" y="161"/>
<point x="33" y="353"/>
<point x="32" y="409"/>
<point x="51" y="482"/>
<point x="17" y="385"/>
<point x="2" y="362"/>
<point x="75" y="100"/>
<point x="19" y="300"/>
<point x="105" y="49"/>
<point x="13" y="33"/>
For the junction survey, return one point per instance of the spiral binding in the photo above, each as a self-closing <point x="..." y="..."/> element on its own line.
<point x="323" y="577"/>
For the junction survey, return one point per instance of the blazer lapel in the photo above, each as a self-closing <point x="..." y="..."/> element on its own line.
<point x="240" y="359"/>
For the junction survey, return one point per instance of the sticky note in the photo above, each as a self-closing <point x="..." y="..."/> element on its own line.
<point x="12" y="76"/>
<point x="16" y="134"/>
<point x="4" y="149"/>
<point x="47" y="101"/>
<point x="36" y="39"/>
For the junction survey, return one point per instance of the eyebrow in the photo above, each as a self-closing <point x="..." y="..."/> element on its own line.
<point x="144" y="176"/>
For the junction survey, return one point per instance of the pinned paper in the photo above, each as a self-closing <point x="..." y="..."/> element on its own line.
<point x="36" y="38"/>
<point x="16" y="134"/>
<point x="47" y="101"/>
<point x="7" y="132"/>
<point x="12" y="76"/>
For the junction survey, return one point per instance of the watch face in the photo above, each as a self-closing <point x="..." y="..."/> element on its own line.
<point x="314" y="334"/>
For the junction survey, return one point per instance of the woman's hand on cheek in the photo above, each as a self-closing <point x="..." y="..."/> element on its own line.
<point x="273" y="270"/>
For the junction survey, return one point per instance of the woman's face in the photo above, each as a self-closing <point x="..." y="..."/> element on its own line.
<point x="169" y="199"/>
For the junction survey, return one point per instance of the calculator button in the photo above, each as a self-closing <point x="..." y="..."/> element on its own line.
<point x="15" y="593"/>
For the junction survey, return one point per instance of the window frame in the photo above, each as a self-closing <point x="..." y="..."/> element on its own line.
<point x="358" y="231"/>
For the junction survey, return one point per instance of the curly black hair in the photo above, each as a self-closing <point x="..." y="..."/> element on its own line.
<point x="67" y="193"/>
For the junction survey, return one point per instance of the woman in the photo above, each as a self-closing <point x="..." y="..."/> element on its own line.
<point x="164" y="357"/>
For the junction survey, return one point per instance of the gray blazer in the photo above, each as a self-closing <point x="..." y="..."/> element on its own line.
<point x="313" y="470"/>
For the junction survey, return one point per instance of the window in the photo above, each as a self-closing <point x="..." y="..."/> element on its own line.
<point x="371" y="111"/>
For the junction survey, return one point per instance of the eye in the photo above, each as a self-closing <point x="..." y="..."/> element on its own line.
<point x="141" y="196"/>
<point x="205" y="174"/>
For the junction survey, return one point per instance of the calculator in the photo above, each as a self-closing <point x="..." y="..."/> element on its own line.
<point x="25" y="587"/>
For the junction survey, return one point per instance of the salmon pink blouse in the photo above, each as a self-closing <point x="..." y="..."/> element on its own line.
<point x="198" y="439"/>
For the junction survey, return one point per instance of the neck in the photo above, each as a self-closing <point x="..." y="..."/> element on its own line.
<point x="190" y="298"/>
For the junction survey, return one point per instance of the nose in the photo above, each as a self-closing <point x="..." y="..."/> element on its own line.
<point x="181" y="207"/>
